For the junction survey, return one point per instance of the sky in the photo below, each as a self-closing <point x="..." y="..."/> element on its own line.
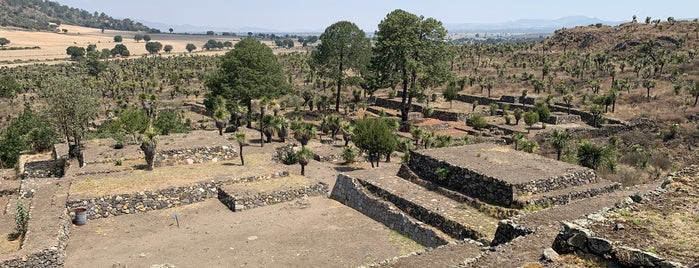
<point x="315" y="15"/>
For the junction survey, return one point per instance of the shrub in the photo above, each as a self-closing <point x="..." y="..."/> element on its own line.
<point x="290" y="158"/>
<point x="392" y="94"/>
<point x="349" y="154"/>
<point x="21" y="220"/>
<point x="442" y="173"/>
<point x="119" y="145"/>
<point x="477" y="121"/>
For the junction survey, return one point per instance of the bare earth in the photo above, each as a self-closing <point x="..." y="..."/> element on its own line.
<point x="319" y="233"/>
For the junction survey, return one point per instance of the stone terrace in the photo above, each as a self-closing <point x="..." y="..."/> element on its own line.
<point x="498" y="174"/>
<point x="451" y="217"/>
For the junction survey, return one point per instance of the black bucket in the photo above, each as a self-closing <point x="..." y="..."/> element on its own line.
<point x="80" y="216"/>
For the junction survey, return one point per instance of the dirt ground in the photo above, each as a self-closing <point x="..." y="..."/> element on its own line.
<point x="317" y="232"/>
<point x="312" y="232"/>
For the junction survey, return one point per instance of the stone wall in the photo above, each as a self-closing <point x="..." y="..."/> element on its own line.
<point x="45" y="169"/>
<point x="465" y="181"/>
<point x="47" y="231"/>
<point x="559" y="119"/>
<point x="240" y="203"/>
<point x="195" y="155"/>
<point x="566" y="198"/>
<point x="436" y="114"/>
<point x="350" y="192"/>
<point x="571" y="178"/>
<point x="493" y="211"/>
<point x="574" y="238"/>
<point x="114" y="205"/>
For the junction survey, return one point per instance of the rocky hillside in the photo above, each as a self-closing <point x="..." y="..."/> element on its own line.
<point x="46" y="16"/>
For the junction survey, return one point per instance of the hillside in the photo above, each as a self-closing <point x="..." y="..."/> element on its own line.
<point x="46" y="15"/>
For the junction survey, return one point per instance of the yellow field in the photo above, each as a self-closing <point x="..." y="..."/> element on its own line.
<point x="53" y="45"/>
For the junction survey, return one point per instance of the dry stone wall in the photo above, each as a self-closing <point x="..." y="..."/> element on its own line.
<point x="465" y="181"/>
<point x="350" y="192"/>
<point x="45" y="169"/>
<point x="195" y="155"/>
<point x="240" y="203"/>
<point x="584" y="176"/>
<point x="115" y="205"/>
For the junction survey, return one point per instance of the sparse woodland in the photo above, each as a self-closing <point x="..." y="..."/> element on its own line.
<point x="634" y="71"/>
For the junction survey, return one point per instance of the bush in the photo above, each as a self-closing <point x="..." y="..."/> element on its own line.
<point x="392" y="94"/>
<point x="119" y="145"/>
<point x="477" y="121"/>
<point x="349" y="154"/>
<point x="290" y="158"/>
<point x="21" y="220"/>
<point x="442" y="173"/>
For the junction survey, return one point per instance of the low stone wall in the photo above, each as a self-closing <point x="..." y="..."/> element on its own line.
<point x="493" y="211"/>
<point x="574" y="195"/>
<point x="465" y="181"/>
<point x="574" y="178"/>
<point x="115" y="205"/>
<point x="436" y="114"/>
<point x="195" y="155"/>
<point x="45" y="169"/>
<point x="559" y="119"/>
<point x="240" y="203"/>
<point x="47" y="231"/>
<point x="350" y="192"/>
<point x="574" y="238"/>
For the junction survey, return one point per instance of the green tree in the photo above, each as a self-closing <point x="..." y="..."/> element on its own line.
<point x="71" y="106"/>
<point x="649" y="84"/>
<point x="146" y="38"/>
<point x="134" y="121"/>
<point x="477" y="121"/>
<point x="221" y="116"/>
<point x="167" y="48"/>
<point x="559" y="140"/>
<point x="29" y="131"/>
<point x="240" y="138"/>
<point x="407" y="47"/>
<point x="450" y="93"/>
<point x="168" y="122"/>
<point x="375" y="136"/>
<point x="344" y="47"/>
<point x="250" y="71"/>
<point x="518" y="115"/>
<point x="138" y="37"/>
<point x="121" y="50"/>
<point x="304" y="132"/>
<point x="304" y="156"/>
<point x="171" y="30"/>
<point x="153" y="47"/>
<point x="75" y="52"/>
<point x="694" y="90"/>
<point x="531" y="118"/>
<point x="596" y="112"/>
<point x="543" y="110"/>
<point x="4" y="41"/>
<point x="190" y="47"/>
<point x="149" y="144"/>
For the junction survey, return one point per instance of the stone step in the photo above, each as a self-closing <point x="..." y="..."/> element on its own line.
<point x="248" y="195"/>
<point x="350" y="192"/>
<point x="491" y="210"/>
<point x="566" y="195"/>
<point x="456" y="219"/>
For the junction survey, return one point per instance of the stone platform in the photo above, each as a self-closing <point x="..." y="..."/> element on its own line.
<point x="496" y="174"/>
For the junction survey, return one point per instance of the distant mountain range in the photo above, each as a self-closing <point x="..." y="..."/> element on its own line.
<point x="526" y="25"/>
<point x="517" y="26"/>
<point x="193" y="29"/>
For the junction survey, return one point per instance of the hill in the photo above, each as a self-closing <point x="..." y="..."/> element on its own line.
<point x="46" y="16"/>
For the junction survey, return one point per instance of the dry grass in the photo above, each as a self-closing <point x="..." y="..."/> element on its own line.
<point x="53" y="45"/>
<point x="163" y="177"/>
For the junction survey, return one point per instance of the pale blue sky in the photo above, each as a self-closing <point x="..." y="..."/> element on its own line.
<point x="310" y="15"/>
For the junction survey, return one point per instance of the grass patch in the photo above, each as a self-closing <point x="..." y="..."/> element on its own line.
<point x="404" y="243"/>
